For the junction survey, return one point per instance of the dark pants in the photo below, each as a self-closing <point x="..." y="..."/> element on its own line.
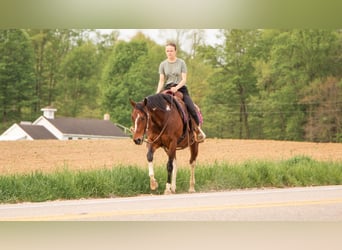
<point x="189" y="103"/>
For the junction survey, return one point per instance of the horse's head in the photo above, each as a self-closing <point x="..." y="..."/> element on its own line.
<point x="139" y="120"/>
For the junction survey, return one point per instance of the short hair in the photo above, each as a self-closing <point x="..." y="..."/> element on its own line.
<point x="171" y="44"/>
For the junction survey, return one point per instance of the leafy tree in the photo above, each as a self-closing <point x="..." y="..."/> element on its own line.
<point x="57" y="48"/>
<point x="295" y="58"/>
<point x="39" y="40"/>
<point x="279" y="83"/>
<point x="51" y="46"/>
<point x="16" y="75"/>
<point x="198" y="71"/>
<point x="234" y="81"/>
<point x="324" y="122"/>
<point x="78" y="88"/>
<point x="273" y="84"/>
<point x="105" y="44"/>
<point x="131" y="73"/>
<point x="316" y="51"/>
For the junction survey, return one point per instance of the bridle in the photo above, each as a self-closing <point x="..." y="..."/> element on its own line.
<point x="148" y="119"/>
<point x="161" y="132"/>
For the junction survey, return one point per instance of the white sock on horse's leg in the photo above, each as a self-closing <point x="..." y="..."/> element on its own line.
<point x="153" y="181"/>
<point x="150" y="168"/>
<point x="192" y="178"/>
<point x="174" y="176"/>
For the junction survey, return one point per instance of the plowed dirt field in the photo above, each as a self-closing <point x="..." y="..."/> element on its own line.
<point x="28" y="156"/>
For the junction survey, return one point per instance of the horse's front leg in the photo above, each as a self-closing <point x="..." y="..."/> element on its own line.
<point x="171" y="174"/>
<point x="170" y="187"/>
<point x="153" y="181"/>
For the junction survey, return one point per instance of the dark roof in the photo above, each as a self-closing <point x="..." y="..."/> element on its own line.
<point x="37" y="132"/>
<point x="83" y="126"/>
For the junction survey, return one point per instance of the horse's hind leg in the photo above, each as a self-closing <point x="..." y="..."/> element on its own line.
<point x="174" y="176"/>
<point x="153" y="181"/>
<point x="192" y="178"/>
<point x="194" y="153"/>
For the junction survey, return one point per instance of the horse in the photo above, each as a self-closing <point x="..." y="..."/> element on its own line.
<point x="164" y="119"/>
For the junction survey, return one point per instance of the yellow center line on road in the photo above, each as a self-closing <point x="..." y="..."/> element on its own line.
<point x="119" y="213"/>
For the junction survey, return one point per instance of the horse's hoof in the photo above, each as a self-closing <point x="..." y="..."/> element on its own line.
<point x="168" y="189"/>
<point x="192" y="190"/>
<point x="167" y="192"/>
<point x="153" y="185"/>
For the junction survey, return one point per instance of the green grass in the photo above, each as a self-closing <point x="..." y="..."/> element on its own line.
<point x="121" y="181"/>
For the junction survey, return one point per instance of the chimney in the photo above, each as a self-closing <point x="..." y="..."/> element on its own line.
<point x="106" y="117"/>
<point x="49" y="112"/>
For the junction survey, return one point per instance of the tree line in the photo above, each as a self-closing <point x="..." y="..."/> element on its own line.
<point x="254" y="84"/>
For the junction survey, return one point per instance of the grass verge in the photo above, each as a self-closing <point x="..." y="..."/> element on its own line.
<point x="124" y="181"/>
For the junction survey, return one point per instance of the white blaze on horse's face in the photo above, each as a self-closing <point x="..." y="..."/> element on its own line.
<point x="140" y="124"/>
<point x="139" y="120"/>
<point x="136" y="123"/>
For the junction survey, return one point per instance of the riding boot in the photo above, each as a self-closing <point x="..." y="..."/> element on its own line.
<point x="199" y="134"/>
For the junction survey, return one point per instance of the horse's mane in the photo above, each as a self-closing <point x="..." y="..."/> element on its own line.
<point x="158" y="101"/>
<point x="140" y="106"/>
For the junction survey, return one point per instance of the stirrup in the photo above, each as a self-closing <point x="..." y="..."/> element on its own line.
<point x="199" y="135"/>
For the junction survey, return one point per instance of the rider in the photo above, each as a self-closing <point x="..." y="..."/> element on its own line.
<point x="172" y="76"/>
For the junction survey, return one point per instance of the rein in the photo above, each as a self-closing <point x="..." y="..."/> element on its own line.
<point x="161" y="132"/>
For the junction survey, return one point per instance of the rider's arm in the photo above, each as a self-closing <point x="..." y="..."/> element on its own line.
<point x="180" y="84"/>
<point x="161" y="83"/>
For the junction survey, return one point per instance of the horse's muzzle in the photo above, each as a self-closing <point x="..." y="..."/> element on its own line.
<point x="138" y="141"/>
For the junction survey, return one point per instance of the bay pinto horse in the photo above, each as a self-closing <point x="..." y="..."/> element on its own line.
<point x="164" y="119"/>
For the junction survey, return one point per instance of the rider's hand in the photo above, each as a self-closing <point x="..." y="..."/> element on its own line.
<point x="173" y="89"/>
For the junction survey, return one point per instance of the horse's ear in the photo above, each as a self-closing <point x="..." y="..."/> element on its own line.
<point x="132" y="103"/>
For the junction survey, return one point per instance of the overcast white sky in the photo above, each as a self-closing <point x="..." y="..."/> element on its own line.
<point x="160" y="36"/>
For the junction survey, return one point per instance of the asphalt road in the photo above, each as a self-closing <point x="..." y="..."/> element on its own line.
<point x="290" y="204"/>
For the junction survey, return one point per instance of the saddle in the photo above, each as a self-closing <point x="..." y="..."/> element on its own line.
<point x="167" y="91"/>
<point x="186" y="117"/>
<point x="178" y="95"/>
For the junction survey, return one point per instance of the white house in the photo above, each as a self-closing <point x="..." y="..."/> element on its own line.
<point x="26" y="131"/>
<point x="63" y="128"/>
